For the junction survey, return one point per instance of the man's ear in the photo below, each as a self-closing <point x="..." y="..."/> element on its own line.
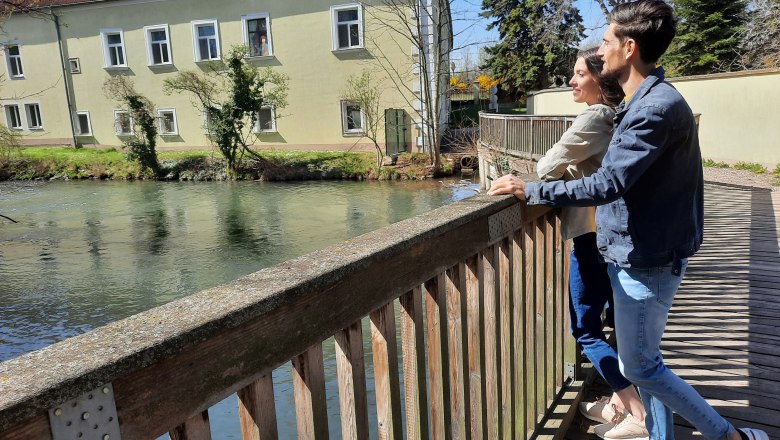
<point x="630" y="49"/>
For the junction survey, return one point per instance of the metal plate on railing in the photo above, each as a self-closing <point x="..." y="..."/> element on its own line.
<point x="504" y="222"/>
<point x="91" y="416"/>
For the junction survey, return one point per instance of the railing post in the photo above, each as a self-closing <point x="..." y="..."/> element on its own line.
<point x="455" y="335"/>
<point x="257" y="411"/>
<point x="492" y="419"/>
<point x="352" y="382"/>
<point x="309" y="384"/>
<point x="388" y="393"/>
<point x="413" y="348"/>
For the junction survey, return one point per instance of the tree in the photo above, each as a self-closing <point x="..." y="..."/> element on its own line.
<point x="232" y="94"/>
<point x="538" y="44"/>
<point x="364" y="91"/>
<point x="426" y="26"/>
<point x="707" y="36"/>
<point x="759" y="46"/>
<point x="142" y="143"/>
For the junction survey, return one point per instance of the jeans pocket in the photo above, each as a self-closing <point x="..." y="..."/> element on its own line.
<point x="666" y="284"/>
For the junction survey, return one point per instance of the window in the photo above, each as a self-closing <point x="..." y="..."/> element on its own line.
<point x="12" y="116"/>
<point x="123" y="123"/>
<point x="167" y="119"/>
<point x="347" y="26"/>
<point x="34" y="120"/>
<point x="14" y="61"/>
<point x="351" y="118"/>
<point x="205" y="39"/>
<point x="266" y="120"/>
<point x="82" y="123"/>
<point x="75" y="65"/>
<point x="113" y="47"/>
<point x="208" y="118"/>
<point x="158" y="47"/>
<point x="257" y="34"/>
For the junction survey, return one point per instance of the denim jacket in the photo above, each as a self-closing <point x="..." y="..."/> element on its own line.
<point x="649" y="189"/>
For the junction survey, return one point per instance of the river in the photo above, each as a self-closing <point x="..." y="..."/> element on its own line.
<point x="86" y="253"/>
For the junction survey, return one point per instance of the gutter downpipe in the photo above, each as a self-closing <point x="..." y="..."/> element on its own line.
<point x="64" y="77"/>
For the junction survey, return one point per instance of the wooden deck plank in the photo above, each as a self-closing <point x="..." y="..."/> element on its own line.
<point x="723" y="334"/>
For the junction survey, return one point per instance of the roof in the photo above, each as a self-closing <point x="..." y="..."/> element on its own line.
<point x="38" y="4"/>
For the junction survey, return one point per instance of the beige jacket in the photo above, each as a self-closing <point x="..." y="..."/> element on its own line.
<point x="578" y="154"/>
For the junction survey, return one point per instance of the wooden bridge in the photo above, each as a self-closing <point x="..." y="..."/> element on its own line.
<point x="478" y="289"/>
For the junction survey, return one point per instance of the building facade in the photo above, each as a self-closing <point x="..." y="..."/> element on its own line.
<point x="55" y="65"/>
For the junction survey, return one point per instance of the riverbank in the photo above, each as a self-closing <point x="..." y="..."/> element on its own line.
<point x="49" y="163"/>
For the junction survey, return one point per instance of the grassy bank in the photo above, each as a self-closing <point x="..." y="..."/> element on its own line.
<point x="68" y="163"/>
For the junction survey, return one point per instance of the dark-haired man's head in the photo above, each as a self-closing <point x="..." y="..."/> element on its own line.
<point x="644" y="27"/>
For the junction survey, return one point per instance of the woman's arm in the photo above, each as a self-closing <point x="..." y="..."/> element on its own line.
<point x="588" y="136"/>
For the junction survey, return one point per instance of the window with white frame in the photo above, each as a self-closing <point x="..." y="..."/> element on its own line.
<point x="347" y="26"/>
<point x="208" y="118"/>
<point x="75" y="65"/>
<point x="158" y="46"/>
<point x="351" y="118"/>
<point x="13" y="117"/>
<point x="205" y="39"/>
<point x="123" y="123"/>
<point x="82" y="124"/>
<point x="257" y="34"/>
<point x="14" y="57"/>
<point x="33" y="112"/>
<point x="266" y="120"/>
<point x="167" y="119"/>
<point x="113" y="47"/>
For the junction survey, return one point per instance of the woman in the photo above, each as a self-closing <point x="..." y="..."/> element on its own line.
<point x="577" y="154"/>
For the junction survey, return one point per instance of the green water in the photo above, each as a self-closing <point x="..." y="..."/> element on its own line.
<point x="84" y="254"/>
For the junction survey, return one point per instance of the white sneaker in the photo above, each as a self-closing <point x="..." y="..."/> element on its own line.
<point x="599" y="411"/>
<point x="754" y="434"/>
<point x="625" y="427"/>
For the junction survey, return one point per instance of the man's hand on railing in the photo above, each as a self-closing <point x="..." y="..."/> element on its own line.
<point x="508" y="184"/>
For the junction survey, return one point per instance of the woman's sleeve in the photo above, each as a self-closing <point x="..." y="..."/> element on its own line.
<point x="585" y="138"/>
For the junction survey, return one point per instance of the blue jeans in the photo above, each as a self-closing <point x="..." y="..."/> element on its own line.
<point x="643" y="298"/>
<point x="590" y="291"/>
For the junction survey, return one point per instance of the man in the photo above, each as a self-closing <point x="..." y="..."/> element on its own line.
<point x="649" y="217"/>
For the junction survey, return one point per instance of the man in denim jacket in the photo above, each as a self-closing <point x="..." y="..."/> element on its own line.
<point x="649" y="193"/>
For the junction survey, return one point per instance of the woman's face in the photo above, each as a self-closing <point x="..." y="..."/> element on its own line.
<point x="585" y="87"/>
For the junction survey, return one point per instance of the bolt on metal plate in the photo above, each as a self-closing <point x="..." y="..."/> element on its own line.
<point x="91" y="416"/>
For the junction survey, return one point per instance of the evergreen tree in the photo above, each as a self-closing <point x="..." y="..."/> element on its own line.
<point x="538" y="44"/>
<point x="707" y="36"/>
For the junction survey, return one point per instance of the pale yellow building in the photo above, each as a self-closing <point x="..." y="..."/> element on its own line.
<point x="54" y="67"/>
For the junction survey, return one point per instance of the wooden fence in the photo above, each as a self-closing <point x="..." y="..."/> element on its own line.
<point x="522" y="135"/>
<point x="480" y="289"/>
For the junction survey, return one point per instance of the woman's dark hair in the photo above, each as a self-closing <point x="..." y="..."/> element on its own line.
<point x="648" y="22"/>
<point x="611" y="93"/>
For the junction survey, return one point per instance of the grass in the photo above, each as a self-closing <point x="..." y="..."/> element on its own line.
<point x="712" y="164"/>
<point x="777" y="175"/>
<point x="56" y="162"/>
<point x="750" y="166"/>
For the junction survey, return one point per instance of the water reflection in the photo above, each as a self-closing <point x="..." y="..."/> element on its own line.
<point x="88" y="253"/>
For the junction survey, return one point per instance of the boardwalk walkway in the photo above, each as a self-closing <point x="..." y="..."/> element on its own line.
<point x="723" y="334"/>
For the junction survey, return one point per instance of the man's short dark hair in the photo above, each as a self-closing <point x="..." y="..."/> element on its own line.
<point x="648" y="22"/>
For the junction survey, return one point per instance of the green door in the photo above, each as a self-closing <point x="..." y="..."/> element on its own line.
<point x="395" y="131"/>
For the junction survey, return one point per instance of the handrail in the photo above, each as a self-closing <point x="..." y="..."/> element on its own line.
<point x="528" y="136"/>
<point x="492" y="276"/>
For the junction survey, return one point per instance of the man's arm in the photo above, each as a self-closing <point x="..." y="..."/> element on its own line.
<point x="635" y="150"/>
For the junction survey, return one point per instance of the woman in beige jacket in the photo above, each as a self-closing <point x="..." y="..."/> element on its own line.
<point x="577" y="154"/>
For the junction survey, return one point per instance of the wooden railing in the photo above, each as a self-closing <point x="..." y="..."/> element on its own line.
<point x="521" y="135"/>
<point x="480" y="291"/>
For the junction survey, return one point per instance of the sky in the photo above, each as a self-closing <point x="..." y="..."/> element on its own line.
<point x="471" y="33"/>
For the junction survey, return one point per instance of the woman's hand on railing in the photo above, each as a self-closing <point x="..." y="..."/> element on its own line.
<point x="508" y="184"/>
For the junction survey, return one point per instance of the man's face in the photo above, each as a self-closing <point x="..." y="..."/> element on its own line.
<point x="612" y="53"/>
